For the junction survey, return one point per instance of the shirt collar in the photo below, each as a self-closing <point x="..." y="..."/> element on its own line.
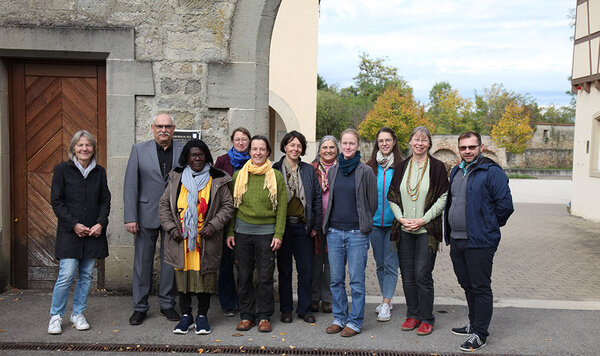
<point x="465" y="166"/>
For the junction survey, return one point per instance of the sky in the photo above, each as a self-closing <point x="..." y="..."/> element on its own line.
<point x="525" y="45"/>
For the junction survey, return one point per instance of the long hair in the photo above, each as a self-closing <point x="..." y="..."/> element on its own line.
<point x="372" y="162"/>
<point x="78" y="135"/>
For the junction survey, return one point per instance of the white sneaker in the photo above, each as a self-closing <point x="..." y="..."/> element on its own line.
<point x="384" y="313"/>
<point x="55" y="325"/>
<point x="79" y="322"/>
<point x="378" y="308"/>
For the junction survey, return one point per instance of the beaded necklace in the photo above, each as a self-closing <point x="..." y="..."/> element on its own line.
<point x="414" y="192"/>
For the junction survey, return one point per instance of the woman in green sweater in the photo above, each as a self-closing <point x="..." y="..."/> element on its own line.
<point x="255" y="233"/>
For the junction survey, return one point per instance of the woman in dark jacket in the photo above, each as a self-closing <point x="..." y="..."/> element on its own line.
<point x="231" y="162"/>
<point x="81" y="201"/>
<point x="303" y="219"/>
<point x="417" y="197"/>
<point x="193" y="245"/>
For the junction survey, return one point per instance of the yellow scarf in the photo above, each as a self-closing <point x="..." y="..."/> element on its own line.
<point x="241" y="183"/>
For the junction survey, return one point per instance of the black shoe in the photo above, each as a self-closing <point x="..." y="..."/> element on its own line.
<point x="170" y="314"/>
<point x="286" y="317"/>
<point x="137" y="318"/>
<point x="229" y="312"/>
<point x="465" y="330"/>
<point x="314" y="306"/>
<point x="309" y="318"/>
<point x="473" y="343"/>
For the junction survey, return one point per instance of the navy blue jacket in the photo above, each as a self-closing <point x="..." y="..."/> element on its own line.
<point x="489" y="204"/>
<point x="313" y="211"/>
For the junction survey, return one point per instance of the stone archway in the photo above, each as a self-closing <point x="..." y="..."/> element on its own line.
<point x="449" y="157"/>
<point x="242" y="84"/>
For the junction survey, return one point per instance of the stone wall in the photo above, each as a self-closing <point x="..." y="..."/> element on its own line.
<point x="203" y="61"/>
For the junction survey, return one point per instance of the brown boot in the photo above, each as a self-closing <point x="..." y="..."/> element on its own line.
<point x="245" y="325"/>
<point x="333" y="329"/>
<point x="264" y="326"/>
<point x="314" y="306"/>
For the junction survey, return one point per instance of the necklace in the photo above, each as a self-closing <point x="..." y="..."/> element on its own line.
<point x="414" y="192"/>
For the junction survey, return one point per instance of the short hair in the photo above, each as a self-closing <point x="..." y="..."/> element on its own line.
<point x="289" y="137"/>
<point x="78" y="135"/>
<point x="185" y="152"/>
<point x="423" y="130"/>
<point x="323" y="139"/>
<point x="242" y="130"/>
<point x="353" y="132"/>
<point x="262" y="138"/>
<point x="395" y="150"/>
<point x="164" y="113"/>
<point x="470" y="134"/>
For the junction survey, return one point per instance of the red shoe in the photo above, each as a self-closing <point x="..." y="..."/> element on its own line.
<point x="424" y="329"/>
<point x="410" y="324"/>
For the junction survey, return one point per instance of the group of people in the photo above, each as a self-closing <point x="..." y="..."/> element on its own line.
<point x="243" y="211"/>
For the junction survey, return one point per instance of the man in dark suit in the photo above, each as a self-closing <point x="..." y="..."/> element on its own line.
<point x="145" y="180"/>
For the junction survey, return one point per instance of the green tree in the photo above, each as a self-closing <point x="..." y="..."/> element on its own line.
<point x="333" y="113"/>
<point x="374" y="77"/>
<point x="561" y="114"/>
<point x="450" y="112"/>
<point x="321" y="84"/>
<point x="399" y="111"/>
<point x="513" y="130"/>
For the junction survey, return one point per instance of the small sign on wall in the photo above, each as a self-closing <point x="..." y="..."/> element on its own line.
<point x="185" y="135"/>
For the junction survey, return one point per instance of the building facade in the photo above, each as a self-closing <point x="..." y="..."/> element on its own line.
<point x="109" y="67"/>
<point x="586" y="83"/>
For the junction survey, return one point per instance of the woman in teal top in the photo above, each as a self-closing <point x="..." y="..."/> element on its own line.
<point x="417" y="198"/>
<point x="386" y="154"/>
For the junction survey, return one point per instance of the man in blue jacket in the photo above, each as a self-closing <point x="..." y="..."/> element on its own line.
<point x="479" y="203"/>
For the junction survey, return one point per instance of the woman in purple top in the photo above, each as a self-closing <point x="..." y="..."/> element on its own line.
<point x="230" y="162"/>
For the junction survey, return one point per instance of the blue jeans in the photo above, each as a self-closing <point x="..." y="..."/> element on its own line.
<point x="386" y="259"/>
<point x="351" y="246"/>
<point x="66" y="273"/>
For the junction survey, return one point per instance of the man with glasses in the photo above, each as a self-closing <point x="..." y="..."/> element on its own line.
<point x="479" y="203"/>
<point x="145" y="180"/>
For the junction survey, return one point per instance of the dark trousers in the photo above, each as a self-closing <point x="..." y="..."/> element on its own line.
<point x="297" y="244"/>
<point x="254" y="252"/>
<point x="227" y="292"/>
<point x="416" y="266"/>
<point x="473" y="268"/>
<point x="143" y="262"/>
<point x="185" y="303"/>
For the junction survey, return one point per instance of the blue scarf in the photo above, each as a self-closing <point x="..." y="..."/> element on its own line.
<point x="193" y="182"/>
<point x="237" y="159"/>
<point x="347" y="166"/>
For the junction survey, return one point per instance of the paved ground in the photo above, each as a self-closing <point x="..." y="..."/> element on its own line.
<point x="546" y="285"/>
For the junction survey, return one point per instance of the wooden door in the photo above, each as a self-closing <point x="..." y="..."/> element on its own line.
<point x="49" y="103"/>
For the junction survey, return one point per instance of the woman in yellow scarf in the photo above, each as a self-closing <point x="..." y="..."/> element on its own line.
<point x="255" y="233"/>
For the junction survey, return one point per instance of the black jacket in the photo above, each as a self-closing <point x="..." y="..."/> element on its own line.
<point x="77" y="200"/>
<point x="313" y="211"/>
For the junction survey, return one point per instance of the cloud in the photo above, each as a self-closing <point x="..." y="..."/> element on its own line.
<point x="524" y="45"/>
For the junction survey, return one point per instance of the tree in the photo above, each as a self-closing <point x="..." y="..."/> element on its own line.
<point x="333" y="113"/>
<point x="562" y="114"/>
<point x="321" y="84"/>
<point x="492" y="104"/>
<point x="451" y="113"/>
<point x="399" y="111"/>
<point x="513" y="130"/>
<point x="374" y="77"/>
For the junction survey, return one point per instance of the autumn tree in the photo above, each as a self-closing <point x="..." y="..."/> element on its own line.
<point x="399" y="111"/>
<point x="513" y="130"/>
<point x="374" y="76"/>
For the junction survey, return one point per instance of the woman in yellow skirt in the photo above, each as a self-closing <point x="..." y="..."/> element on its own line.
<point x="194" y="235"/>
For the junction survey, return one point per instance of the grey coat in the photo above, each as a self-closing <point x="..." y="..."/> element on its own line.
<point x="220" y="211"/>
<point x="144" y="183"/>
<point x="366" y="196"/>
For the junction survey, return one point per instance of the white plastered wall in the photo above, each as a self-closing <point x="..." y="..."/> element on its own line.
<point x="293" y="69"/>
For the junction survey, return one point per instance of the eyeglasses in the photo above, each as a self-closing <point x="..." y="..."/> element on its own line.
<point x="464" y="148"/>
<point x="160" y="127"/>
<point x="386" y="140"/>
<point x="241" y="139"/>
<point x="418" y="140"/>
